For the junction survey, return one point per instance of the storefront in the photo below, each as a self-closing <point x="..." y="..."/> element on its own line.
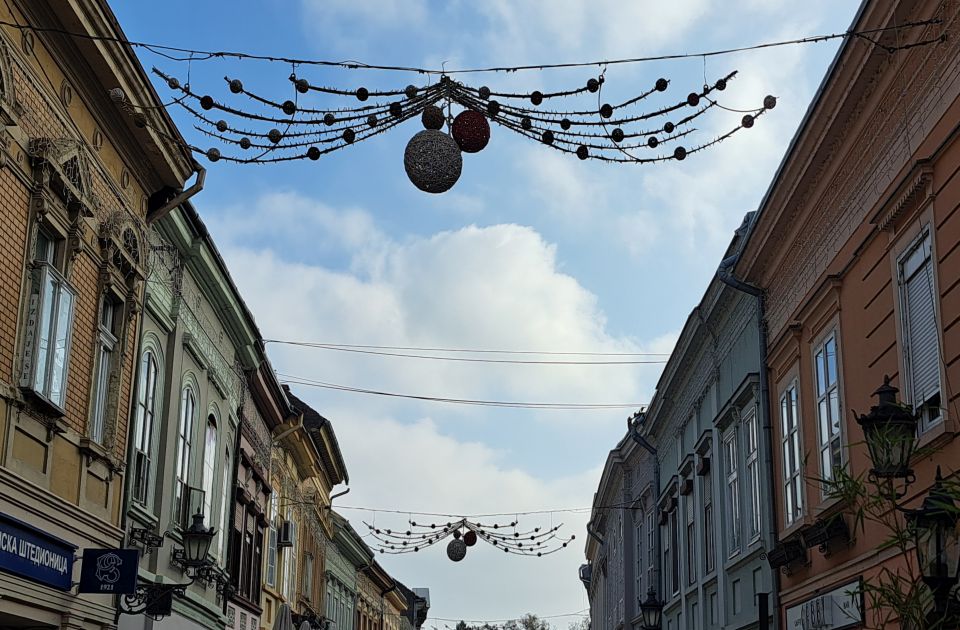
<point x="836" y="609"/>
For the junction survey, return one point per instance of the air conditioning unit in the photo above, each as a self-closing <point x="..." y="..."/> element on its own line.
<point x="285" y="534"/>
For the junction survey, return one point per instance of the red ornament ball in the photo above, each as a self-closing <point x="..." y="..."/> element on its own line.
<point x="470" y="538"/>
<point x="471" y="131"/>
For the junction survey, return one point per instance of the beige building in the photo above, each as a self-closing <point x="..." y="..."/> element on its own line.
<point x="79" y="179"/>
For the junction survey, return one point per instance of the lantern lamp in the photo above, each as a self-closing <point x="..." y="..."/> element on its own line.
<point x="934" y="528"/>
<point x="651" y="610"/>
<point x="890" y="431"/>
<point x="196" y="542"/>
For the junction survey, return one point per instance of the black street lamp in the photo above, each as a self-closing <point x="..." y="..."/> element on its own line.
<point x="196" y="542"/>
<point x="651" y="610"/>
<point x="890" y="430"/>
<point x="934" y="527"/>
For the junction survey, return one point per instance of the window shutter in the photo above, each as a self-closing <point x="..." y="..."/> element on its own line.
<point x="923" y="354"/>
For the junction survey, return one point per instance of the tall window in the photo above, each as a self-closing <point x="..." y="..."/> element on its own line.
<point x="709" y="537"/>
<point x="143" y="427"/>
<point x="188" y="408"/>
<point x="733" y="489"/>
<point x="272" y="539"/>
<point x="224" y="504"/>
<point x="209" y="468"/>
<point x="828" y="407"/>
<point x="691" y="513"/>
<point x="107" y="332"/>
<point x="675" y="545"/>
<point x="49" y="322"/>
<point x="792" y="464"/>
<point x="638" y="556"/>
<point x="753" y="472"/>
<point x="667" y="549"/>
<point x="651" y="550"/>
<point x="921" y="349"/>
<point x="306" y="582"/>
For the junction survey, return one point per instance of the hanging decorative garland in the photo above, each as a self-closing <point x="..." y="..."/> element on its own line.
<point x="464" y="533"/>
<point x="262" y="130"/>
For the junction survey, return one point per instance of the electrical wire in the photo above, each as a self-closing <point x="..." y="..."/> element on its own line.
<point x="202" y="55"/>
<point x="572" y="510"/>
<point x="468" y="350"/>
<point x="473" y="359"/>
<point x="296" y="380"/>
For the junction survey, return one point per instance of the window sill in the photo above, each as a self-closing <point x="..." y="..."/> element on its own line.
<point x="46" y="406"/>
<point x="829" y="507"/>
<point x="933" y="438"/>
<point x="96" y="452"/>
<point x="143" y="516"/>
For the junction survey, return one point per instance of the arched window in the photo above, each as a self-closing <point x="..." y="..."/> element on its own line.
<point x="209" y="468"/>
<point x="143" y="427"/>
<point x="188" y="406"/>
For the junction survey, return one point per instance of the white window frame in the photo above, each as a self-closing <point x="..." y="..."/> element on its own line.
<point x="185" y="427"/>
<point x="222" y="532"/>
<point x="923" y="243"/>
<point x="146" y="413"/>
<point x="792" y="453"/>
<point x="49" y="333"/>
<point x="709" y="528"/>
<point x="211" y="442"/>
<point x="753" y="471"/>
<point x="106" y="346"/>
<point x="732" y="470"/>
<point x="651" y="526"/>
<point x="270" y="577"/>
<point x="830" y="452"/>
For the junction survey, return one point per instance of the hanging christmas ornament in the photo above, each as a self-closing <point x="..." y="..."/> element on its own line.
<point x="470" y="538"/>
<point x="433" y="161"/>
<point x="432" y="117"/>
<point x="457" y="550"/>
<point x="471" y="131"/>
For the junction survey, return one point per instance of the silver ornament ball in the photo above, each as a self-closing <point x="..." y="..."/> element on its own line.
<point x="433" y="161"/>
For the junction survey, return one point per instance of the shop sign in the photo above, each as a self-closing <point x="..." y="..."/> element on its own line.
<point x="839" y="608"/>
<point x="109" y="571"/>
<point x="34" y="554"/>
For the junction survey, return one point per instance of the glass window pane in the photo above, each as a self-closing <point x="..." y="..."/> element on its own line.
<point x="830" y="348"/>
<point x="834" y="398"/>
<point x="44" y="329"/>
<point x="821" y="376"/>
<point x="62" y="338"/>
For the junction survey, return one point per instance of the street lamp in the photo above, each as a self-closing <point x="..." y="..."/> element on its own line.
<point x="651" y="610"/>
<point x="890" y="431"/>
<point x="196" y="542"/>
<point x="934" y="527"/>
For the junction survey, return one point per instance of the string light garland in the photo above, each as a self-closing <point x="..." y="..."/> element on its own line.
<point x="251" y="128"/>
<point x="464" y="533"/>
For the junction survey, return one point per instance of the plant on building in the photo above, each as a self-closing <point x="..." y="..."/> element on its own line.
<point x="916" y="590"/>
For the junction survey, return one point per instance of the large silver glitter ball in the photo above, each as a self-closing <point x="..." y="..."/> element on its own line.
<point x="433" y="161"/>
<point x="457" y="550"/>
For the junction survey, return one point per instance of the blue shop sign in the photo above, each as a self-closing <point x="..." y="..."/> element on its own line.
<point x="34" y="554"/>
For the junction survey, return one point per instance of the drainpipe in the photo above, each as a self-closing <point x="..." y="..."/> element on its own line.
<point x="165" y="209"/>
<point x="650" y="448"/>
<point x="725" y="275"/>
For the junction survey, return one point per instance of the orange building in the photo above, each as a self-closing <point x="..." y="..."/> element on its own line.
<point x="867" y="197"/>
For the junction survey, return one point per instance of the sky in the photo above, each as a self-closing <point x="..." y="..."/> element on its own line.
<point x="531" y="250"/>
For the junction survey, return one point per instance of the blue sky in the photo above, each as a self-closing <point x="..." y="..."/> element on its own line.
<point x="531" y="250"/>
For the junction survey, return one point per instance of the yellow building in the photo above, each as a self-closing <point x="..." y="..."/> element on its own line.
<point x="80" y="178"/>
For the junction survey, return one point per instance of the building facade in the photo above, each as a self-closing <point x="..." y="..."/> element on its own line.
<point x="197" y="343"/>
<point x="681" y="509"/>
<point x="867" y="195"/>
<point x="79" y="181"/>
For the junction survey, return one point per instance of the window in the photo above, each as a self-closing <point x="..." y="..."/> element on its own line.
<point x="209" y="469"/>
<point x="753" y="473"/>
<point x="792" y="478"/>
<point x="690" y="508"/>
<point x="49" y="322"/>
<point x="107" y="332"/>
<point x="651" y="550"/>
<point x="675" y="545"/>
<point x="666" y="540"/>
<point x="638" y="555"/>
<point x="737" y="604"/>
<point x="733" y="489"/>
<point x="921" y="351"/>
<point x="224" y="504"/>
<point x="306" y="582"/>
<point x="188" y="405"/>
<point x="709" y="537"/>
<point x="143" y="427"/>
<point x="828" y="406"/>
<point x="272" y="539"/>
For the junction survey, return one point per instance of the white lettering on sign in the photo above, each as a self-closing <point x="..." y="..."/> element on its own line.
<point x="839" y="608"/>
<point x="34" y="554"/>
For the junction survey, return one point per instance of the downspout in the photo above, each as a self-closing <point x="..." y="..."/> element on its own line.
<point x="166" y="208"/>
<point x="725" y="275"/>
<point x="593" y="533"/>
<point x="650" y="448"/>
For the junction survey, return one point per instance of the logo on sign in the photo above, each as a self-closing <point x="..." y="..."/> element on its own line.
<point x="107" y="568"/>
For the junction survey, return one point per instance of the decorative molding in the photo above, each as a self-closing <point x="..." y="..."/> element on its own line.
<point x="915" y="191"/>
